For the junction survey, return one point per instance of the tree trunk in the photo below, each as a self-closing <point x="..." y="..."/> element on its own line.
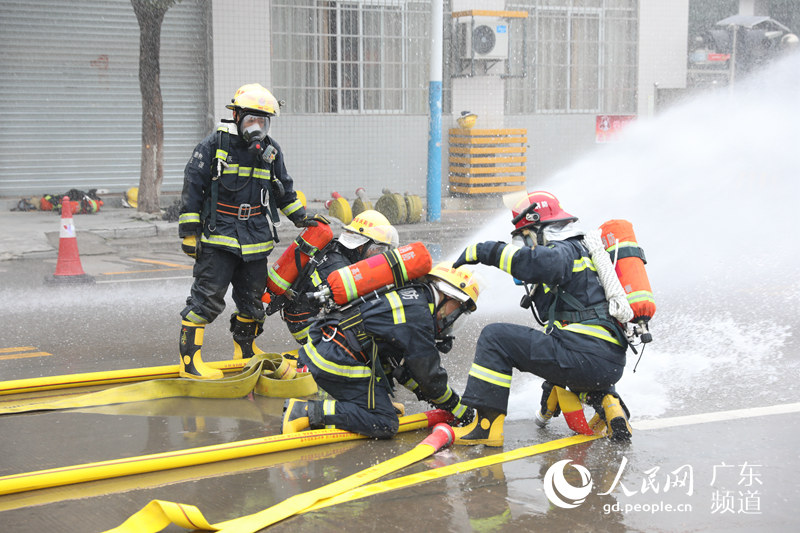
<point x="150" y="16"/>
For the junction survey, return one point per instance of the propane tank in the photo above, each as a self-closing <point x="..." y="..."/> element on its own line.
<point x="394" y="267"/>
<point x="284" y="271"/>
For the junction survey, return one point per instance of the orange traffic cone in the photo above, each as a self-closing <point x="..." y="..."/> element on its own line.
<point x="68" y="268"/>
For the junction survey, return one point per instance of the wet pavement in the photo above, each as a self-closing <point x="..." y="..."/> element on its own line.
<point x="707" y="475"/>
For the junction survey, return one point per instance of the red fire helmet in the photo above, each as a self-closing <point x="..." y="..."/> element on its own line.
<point x="537" y="208"/>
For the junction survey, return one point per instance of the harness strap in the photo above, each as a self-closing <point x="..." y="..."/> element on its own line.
<point x="210" y="205"/>
<point x="397" y="268"/>
<point x="353" y="328"/>
<point x="593" y="315"/>
<point x="630" y="251"/>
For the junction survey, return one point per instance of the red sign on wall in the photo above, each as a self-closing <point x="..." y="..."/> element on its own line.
<point x="607" y="127"/>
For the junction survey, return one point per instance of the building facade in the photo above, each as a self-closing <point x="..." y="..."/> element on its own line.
<point x="353" y="75"/>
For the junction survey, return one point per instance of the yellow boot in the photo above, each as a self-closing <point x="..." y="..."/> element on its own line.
<point x="245" y="331"/>
<point x="192" y="365"/>
<point x="301" y="415"/>
<point x="616" y="418"/>
<point x="487" y="428"/>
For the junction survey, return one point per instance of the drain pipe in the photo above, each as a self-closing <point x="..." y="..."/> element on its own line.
<point x="435" y="123"/>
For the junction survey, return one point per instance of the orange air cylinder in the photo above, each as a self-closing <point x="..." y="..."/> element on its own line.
<point x="283" y="272"/>
<point x="620" y="241"/>
<point x="394" y="267"/>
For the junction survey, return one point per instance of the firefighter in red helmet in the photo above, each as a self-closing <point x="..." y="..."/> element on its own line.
<point x="234" y="184"/>
<point x="581" y="348"/>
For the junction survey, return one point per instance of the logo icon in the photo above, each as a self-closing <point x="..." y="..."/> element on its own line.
<point x="560" y="492"/>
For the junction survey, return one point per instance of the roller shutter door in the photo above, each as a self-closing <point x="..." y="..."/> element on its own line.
<point x="70" y="105"/>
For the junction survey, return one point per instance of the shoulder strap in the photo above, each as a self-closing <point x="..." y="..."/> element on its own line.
<point x="219" y="162"/>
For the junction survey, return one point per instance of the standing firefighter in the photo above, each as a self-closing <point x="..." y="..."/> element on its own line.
<point x="233" y="186"/>
<point x="582" y="346"/>
<point x="399" y="334"/>
<point x="369" y="233"/>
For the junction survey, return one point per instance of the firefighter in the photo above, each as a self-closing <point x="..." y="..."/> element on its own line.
<point x="233" y="185"/>
<point x="368" y="234"/>
<point x="582" y="347"/>
<point x="355" y="356"/>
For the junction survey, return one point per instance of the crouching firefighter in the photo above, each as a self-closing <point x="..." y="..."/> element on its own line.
<point x="355" y="355"/>
<point x="233" y="185"/>
<point x="582" y="346"/>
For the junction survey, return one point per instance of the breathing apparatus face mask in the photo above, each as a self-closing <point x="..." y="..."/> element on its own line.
<point x="447" y="313"/>
<point x="528" y="238"/>
<point x="253" y="128"/>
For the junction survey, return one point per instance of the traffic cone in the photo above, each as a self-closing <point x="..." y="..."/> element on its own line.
<point x="68" y="268"/>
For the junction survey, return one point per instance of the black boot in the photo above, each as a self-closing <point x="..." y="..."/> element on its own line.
<point x="245" y="331"/>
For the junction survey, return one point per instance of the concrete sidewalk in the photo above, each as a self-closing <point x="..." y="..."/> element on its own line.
<point x="36" y="234"/>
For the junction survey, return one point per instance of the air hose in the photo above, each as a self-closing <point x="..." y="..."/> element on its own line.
<point x="618" y="305"/>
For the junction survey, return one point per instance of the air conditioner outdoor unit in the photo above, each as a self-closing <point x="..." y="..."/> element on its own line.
<point x="485" y="38"/>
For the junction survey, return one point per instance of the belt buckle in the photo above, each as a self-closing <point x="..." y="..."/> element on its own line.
<point x="244" y="212"/>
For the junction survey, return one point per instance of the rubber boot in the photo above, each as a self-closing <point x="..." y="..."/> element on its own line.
<point x="301" y="415"/>
<point x="192" y="365"/>
<point x="486" y="428"/>
<point x="245" y="331"/>
<point x="616" y="415"/>
<point x="549" y="405"/>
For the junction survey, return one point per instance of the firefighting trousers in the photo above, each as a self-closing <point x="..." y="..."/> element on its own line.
<point x="216" y="269"/>
<point x="504" y="347"/>
<point x="350" y="408"/>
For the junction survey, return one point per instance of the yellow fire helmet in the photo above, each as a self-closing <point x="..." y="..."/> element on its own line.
<point x="369" y="225"/>
<point x="253" y="97"/>
<point x="459" y="283"/>
<point x="131" y="197"/>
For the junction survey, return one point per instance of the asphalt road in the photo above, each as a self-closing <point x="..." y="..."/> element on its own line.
<point x="730" y="466"/>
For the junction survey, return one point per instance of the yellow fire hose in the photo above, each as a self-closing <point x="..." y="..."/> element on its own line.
<point x="262" y="374"/>
<point x="158" y="514"/>
<point x="449" y="470"/>
<point x="68" y="475"/>
<point x="109" y="377"/>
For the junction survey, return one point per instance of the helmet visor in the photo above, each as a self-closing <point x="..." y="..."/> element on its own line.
<point x="351" y="240"/>
<point x="254" y="127"/>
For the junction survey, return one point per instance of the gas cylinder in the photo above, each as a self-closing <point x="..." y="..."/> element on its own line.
<point x="620" y="242"/>
<point x="284" y="271"/>
<point x="395" y="267"/>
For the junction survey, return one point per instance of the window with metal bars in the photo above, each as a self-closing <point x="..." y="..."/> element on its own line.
<point x="581" y="57"/>
<point x="355" y="56"/>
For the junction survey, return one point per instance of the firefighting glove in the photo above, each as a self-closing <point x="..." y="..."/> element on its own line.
<point x="308" y="222"/>
<point x="189" y="246"/>
<point x="487" y="253"/>
<point x="463" y="414"/>
<point x="446" y="344"/>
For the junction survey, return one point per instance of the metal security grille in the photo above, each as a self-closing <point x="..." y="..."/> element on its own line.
<point x="582" y="57"/>
<point x="70" y="104"/>
<point x="357" y="56"/>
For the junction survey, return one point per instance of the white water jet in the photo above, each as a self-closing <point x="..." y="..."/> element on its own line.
<point x="711" y="187"/>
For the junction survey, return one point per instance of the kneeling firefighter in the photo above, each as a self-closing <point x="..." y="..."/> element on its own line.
<point x="394" y="335"/>
<point x="234" y="184"/>
<point x="369" y="233"/>
<point x="582" y="346"/>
